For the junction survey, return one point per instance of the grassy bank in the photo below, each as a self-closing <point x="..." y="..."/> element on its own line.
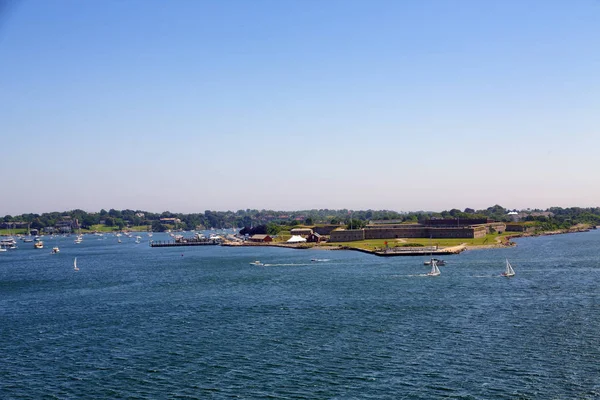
<point x="6" y="232"/>
<point x="373" y="244"/>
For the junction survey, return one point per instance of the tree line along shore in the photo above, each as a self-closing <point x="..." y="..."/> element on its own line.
<point x="280" y="223"/>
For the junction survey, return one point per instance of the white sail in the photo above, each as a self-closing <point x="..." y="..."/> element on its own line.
<point x="75" y="265"/>
<point x="435" y="271"/>
<point x="509" y="270"/>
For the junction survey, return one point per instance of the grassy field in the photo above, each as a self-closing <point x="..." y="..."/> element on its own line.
<point x="101" y="228"/>
<point x="7" y="232"/>
<point x="138" y="228"/>
<point x="282" y="237"/>
<point x="372" y="244"/>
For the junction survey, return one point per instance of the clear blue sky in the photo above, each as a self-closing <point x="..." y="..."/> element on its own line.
<point x="191" y="105"/>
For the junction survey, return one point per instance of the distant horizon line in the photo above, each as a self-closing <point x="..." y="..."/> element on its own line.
<point x="299" y="210"/>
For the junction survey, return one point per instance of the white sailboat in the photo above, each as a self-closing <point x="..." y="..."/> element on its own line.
<point x="509" y="270"/>
<point x="435" y="271"/>
<point x="75" y="268"/>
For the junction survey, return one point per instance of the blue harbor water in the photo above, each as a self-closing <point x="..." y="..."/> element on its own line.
<point x="201" y="322"/>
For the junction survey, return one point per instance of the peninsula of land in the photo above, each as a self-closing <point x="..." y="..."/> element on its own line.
<point x="306" y="238"/>
<point x="383" y="232"/>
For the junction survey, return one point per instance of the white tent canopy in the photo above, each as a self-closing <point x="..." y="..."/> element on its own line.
<point x="296" y="239"/>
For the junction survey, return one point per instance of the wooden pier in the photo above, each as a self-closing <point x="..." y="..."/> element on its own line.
<point x="189" y="242"/>
<point x="411" y="251"/>
<point x="416" y="251"/>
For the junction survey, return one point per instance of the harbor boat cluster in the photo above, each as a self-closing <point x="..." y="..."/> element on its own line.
<point x="197" y="240"/>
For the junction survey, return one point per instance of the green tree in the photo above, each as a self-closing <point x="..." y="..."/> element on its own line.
<point x="273" y="229"/>
<point x="355" y="224"/>
<point x="158" y="227"/>
<point x="89" y="220"/>
<point x="37" y="224"/>
<point x="413" y="218"/>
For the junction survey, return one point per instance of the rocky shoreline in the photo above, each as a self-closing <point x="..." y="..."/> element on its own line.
<point x="510" y="243"/>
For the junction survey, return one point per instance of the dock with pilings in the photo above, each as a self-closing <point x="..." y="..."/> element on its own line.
<point x="188" y="242"/>
<point x="413" y="251"/>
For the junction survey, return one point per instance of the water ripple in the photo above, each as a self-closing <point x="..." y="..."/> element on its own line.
<point x="147" y="323"/>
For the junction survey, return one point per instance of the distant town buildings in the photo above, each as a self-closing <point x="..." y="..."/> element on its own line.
<point x="67" y="225"/>
<point x="260" y="238"/>
<point x="304" y="232"/>
<point x="523" y="215"/>
<point x="170" y="221"/>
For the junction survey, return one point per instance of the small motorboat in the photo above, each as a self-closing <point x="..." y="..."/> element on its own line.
<point x="55" y="250"/>
<point x="438" y="262"/>
<point x="257" y="263"/>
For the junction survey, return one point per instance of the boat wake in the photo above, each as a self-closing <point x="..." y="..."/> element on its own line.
<point x="283" y="265"/>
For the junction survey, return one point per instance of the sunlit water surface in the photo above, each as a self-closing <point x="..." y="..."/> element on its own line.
<point x="201" y="322"/>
